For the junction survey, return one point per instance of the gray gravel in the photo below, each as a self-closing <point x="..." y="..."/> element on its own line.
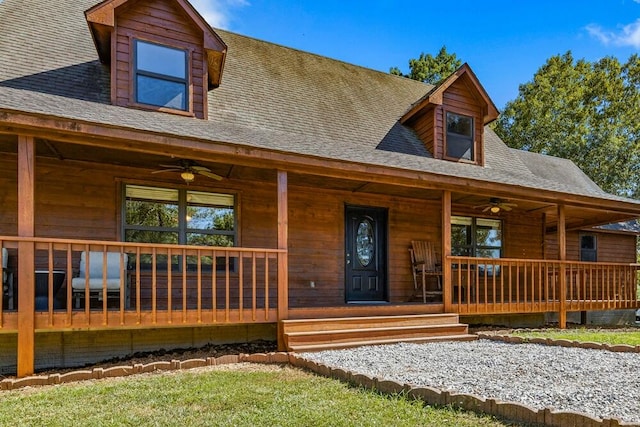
<point x="596" y="382"/>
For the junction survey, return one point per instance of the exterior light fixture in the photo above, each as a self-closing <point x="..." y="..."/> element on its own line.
<point x="188" y="176"/>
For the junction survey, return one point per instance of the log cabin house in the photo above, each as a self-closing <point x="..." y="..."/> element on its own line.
<point x="165" y="184"/>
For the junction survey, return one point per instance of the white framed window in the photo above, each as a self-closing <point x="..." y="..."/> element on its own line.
<point x="161" y="75"/>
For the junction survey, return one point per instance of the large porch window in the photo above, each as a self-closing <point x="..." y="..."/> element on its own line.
<point x="476" y="237"/>
<point x="178" y="216"/>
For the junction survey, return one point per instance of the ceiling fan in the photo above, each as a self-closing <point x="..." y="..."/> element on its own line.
<point x="188" y="170"/>
<point x="495" y="205"/>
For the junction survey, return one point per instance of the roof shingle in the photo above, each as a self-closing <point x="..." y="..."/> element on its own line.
<point x="271" y="97"/>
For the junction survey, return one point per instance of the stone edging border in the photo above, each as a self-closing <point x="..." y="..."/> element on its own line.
<point x="513" y="339"/>
<point x="510" y="411"/>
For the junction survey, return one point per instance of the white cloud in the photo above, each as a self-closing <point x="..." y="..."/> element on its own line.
<point x="627" y="35"/>
<point x="218" y="13"/>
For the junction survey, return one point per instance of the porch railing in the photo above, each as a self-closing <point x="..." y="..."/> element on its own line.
<point x="502" y="285"/>
<point x="160" y="284"/>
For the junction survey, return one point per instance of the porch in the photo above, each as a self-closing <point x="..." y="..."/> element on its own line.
<point x="218" y="286"/>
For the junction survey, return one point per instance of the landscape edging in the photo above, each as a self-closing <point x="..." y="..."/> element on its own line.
<point x="511" y="411"/>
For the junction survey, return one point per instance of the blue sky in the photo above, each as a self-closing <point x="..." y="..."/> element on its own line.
<point x="504" y="41"/>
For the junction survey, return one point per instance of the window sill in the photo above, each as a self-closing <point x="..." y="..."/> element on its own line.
<point x="147" y="107"/>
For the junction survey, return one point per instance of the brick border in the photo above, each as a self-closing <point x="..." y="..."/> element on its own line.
<point x="509" y="411"/>
<point x="514" y="339"/>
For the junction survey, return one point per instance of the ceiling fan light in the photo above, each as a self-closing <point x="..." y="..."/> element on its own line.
<point x="495" y="209"/>
<point x="187" y="176"/>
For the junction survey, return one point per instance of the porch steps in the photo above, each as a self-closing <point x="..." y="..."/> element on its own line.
<point x="334" y="333"/>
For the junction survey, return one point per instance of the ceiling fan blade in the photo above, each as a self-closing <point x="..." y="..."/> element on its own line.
<point x="199" y="168"/>
<point x="487" y="208"/>
<point x="178" y="167"/>
<point x="506" y="208"/>
<point x="167" y="170"/>
<point x="208" y="174"/>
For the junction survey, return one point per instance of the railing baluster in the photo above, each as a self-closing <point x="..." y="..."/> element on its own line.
<point x="154" y="286"/>
<point x="254" y="286"/>
<point x="266" y="286"/>
<point x="184" y="286"/>
<point x="226" y="287"/>
<point x="214" y="288"/>
<point x="240" y="285"/>
<point x="199" y="285"/>
<point x="138" y="290"/>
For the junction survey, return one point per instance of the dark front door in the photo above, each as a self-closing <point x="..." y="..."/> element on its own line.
<point x="366" y="255"/>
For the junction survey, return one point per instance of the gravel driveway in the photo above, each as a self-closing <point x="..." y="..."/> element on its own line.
<point x="596" y="382"/>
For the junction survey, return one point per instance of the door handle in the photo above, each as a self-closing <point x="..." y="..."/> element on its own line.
<point x="348" y="258"/>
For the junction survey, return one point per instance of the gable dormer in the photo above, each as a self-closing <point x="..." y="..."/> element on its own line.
<point x="163" y="55"/>
<point x="450" y="119"/>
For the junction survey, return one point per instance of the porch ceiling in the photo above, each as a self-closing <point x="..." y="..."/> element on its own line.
<point x="576" y="217"/>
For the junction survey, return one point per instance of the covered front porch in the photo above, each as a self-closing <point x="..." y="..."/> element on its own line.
<point x="249" y="286"/>
<point x="65" y="197"/>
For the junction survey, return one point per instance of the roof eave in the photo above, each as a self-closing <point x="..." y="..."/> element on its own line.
<point x="101" y="20"/>
<point x="435" y="96"/>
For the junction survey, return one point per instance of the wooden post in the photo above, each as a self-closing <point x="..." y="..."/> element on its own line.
<point x="283" y="258"/>
<point x="447" y="288"/>
<point x="562" y="256"/>
<point x="26" y="256"/>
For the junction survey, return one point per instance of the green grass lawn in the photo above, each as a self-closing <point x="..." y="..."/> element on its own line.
<point x="253" y="395"/>
<point x="608" y="336"/>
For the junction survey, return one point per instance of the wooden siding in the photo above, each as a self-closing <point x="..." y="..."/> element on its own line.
<point x="522" y="235"/>
<point x="611" y="247"/>
<point x="424" y="126"/>
<point x="162" y="22"/>
<point x="80" y="200"/>
<point x="429" y="124"/>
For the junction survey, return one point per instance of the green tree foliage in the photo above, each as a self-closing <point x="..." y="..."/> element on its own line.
<point x="431" y="69"/>
<point x="583" y="111"/>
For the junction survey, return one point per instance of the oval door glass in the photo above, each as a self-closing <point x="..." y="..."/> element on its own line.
<point x="364" y="242"/>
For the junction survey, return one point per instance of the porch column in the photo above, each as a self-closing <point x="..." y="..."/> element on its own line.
<point x="446" y="251"/>
<point x="562" y="256"/>
<point x="26" y="256"/>
<point x="283" y="258"/>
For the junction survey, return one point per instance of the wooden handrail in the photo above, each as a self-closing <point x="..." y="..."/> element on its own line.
<point x="156" y="291"/>
<point x="513" y="285"/>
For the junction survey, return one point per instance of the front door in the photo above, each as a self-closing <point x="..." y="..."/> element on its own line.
<point x="366" y="254"/>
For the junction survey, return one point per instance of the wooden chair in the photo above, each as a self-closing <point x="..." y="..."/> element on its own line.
<point x="424" y="265"/>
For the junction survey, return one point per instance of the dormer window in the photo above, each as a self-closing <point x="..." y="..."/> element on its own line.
<point x="161" y="76"/>
<point x="459" y="140"/>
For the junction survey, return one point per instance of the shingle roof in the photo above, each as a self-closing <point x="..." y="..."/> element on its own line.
<point x="271" y="97"/>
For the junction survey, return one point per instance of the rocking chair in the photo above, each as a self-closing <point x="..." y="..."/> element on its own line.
<point x="424" y="265"/>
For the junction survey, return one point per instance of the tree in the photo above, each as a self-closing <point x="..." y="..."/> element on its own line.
<point x="586" y="112"/>
<point x="430" y="69"/>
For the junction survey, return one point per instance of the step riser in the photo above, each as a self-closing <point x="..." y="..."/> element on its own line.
<point x="353" y="323"/>
<point x="338" y="346"/>
<point x="367" y="335"/>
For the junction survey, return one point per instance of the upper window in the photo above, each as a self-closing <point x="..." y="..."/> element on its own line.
<point x="588" y="248"/>
<point x="459" y="141"/>
<point x="161" y="76"/>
